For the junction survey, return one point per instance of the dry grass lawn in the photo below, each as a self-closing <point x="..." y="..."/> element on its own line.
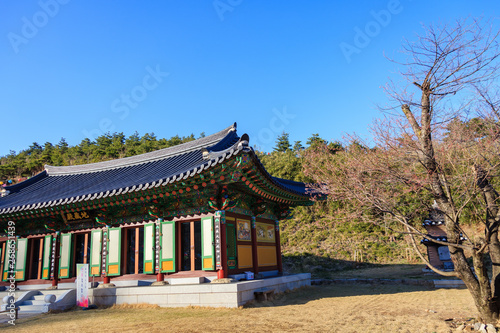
<point x="333" y="308"/>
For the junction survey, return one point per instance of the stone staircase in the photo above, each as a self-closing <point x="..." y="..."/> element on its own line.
<point x="41" y="301"/>
<point x="37" y="303"/>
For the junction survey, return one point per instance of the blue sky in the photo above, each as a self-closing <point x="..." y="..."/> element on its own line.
<point x="76" y="69"/>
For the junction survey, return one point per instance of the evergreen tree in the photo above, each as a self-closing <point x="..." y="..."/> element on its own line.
<point x="63" y="145"/>
<point x="315" y="141"/>
<point x="132" y="144"/>
<point x="282" y="143"/>
<point x="297" y="147"/>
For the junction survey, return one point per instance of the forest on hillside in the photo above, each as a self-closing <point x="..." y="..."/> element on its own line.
<point x="317" y="231"/>
<point x="28" y="162"/>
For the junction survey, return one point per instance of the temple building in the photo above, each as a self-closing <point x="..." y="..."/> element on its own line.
<point x="207" y="206"/>
<point x="438" y="253"/>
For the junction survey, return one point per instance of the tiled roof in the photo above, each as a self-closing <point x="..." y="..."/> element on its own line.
<point x="69" y="184"/>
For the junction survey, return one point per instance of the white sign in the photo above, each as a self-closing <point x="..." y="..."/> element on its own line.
<point x="82" y="285"/>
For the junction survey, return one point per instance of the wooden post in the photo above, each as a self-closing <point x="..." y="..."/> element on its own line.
<point x="85" y="247"/>
<point x="136" y="250"/>
<point x="159" y="275"/>
<point x="2" y="260"/>
<point x="191" y="240"/>
<point x="278" y="247"/>
<point x="255" y="258"/>
<point x="54" y="265"/>
<point x="104" y="253"/>
<point x="40" y="259"/>
<point x="221" y="244"/>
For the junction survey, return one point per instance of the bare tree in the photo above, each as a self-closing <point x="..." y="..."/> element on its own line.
<point x="431" y="150"/>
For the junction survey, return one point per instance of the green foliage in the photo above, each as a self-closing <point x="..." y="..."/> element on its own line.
<point x="282" y="143"/>
<point x="315" y="141"/>
<point x="308" y="231"/>
<point x="285" y="165"/>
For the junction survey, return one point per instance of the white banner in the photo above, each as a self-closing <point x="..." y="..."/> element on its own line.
<point x="82" y="285"/>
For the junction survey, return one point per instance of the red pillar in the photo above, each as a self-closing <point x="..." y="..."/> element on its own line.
<point x="160" y="277"/>
<point x="278" y="247"/>
<point x="255" y="258"/>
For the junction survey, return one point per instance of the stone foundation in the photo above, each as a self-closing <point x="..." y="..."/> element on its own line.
<point x="231" y="295"/>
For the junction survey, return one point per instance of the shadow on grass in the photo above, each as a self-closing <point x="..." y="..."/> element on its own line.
<point x="309" y="294"/>
<point x="328" y="268"/>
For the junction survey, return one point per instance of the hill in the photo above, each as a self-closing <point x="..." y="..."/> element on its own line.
<point x="315" y="237"/>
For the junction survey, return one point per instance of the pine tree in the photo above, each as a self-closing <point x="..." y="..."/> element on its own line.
<point x="283" y="143"/>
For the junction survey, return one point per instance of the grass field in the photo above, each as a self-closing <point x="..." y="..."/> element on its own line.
<point x="328" y="308"/>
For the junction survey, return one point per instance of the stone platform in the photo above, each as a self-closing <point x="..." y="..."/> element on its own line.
<point x="231" y="295"/>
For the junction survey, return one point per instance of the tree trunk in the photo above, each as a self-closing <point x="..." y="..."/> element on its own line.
<point x="478" y="285"/>
<point x="490" y="197"/>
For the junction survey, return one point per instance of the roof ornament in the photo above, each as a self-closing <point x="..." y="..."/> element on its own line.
<point x="4" y="192"/>
<point x="232" y="128"/>
<point x="206" y="153"/>
<point x="243" y="141"/>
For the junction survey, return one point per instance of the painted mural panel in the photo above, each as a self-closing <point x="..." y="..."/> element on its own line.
<point x="265" y="232"/>
<point x="243" y="230"/>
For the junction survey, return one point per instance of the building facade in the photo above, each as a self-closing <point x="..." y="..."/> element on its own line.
<point x="206" y="206"/>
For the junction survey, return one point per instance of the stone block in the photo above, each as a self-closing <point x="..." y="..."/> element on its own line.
<point x="245" y="296"/>
<point x="224" y="288"/>
<point x="190" y="289"/>
<point x="153" y="299"/>
<point x="190" y="280"/>
<point x="188" y="299"/>
<point x="127" y="299"/>
<point x="219" y="298"/>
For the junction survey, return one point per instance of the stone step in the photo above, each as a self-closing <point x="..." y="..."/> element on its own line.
<point x="17" y="293"/>
<point x="186" y="280"/>
<point x="56" y="292"/>
<point x="449" y="284"/>
<point x="33" y="302"/>
<point x="31" y="308"/>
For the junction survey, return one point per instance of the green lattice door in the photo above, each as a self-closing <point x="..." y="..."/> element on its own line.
<point x="231" y="245"/>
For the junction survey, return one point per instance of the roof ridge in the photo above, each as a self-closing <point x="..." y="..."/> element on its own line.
<point x="156" y="155"/>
